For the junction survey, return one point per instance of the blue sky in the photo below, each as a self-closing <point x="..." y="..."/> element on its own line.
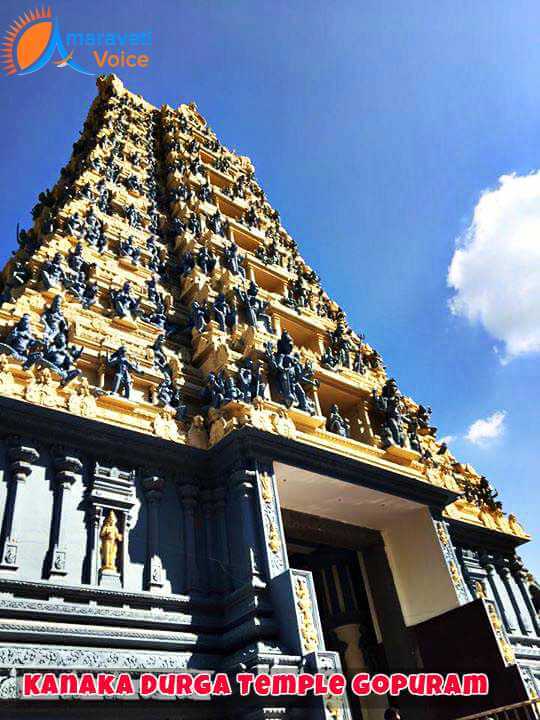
<point x="374" y="128"/>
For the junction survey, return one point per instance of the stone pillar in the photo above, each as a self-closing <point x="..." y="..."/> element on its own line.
<point x="153" y="492"/>
<point x="355" y="662"/>
<point x="188" y="497"/>
<point x="519" y="573"/>
<point x="509" y="620"/>
<point x="209" y="532"/>
<point x="246" y="554"/>
<point x="504" y="572"/>
<point x="67" y="467"/>
<point x="21" y="457"/>
<point x="222" y="545"/>
<point x="94" y="523"/>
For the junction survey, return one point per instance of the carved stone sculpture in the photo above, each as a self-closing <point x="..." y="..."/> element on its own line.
<point x="123" y="368"/>
<point x="337" y="424"/>
<point x="52" y="273"/>
<point x="127" y="249"/>
<point x="255" y="309"/>
<point x="292" y="377"/>
<point x="232" y="260"/>
<point x="124" y="302"/>
<point x="390" y="404"/>
<point x="20" y="340"/>
<point x="53" y="320"/>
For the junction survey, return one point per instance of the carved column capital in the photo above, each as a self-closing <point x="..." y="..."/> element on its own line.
<point x="67" y="466"/>
<point x="487" y="563"/>
<point x="153" y="487"/>
<point x="21" y="457"/>
<point x="242" y="480"/>
<point x="207" y="498"/>
<point x="219" y="495"/>
<point x="517" y="567"/>
<point x="188" y="494"/>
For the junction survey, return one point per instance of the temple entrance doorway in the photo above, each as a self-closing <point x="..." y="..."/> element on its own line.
<point x="343" y="598"/>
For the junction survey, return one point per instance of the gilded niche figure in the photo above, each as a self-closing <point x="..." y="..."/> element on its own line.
<point x="110" y="537"/>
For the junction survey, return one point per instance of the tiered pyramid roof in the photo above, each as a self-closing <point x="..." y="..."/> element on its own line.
<point x="157" y="290"/>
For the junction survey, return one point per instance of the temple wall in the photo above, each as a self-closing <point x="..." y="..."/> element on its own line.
<point x="35" y="511"/>
<point x="419" y="567"/>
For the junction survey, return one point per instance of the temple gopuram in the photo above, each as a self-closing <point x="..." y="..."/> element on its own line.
<point x="205" y="468"/>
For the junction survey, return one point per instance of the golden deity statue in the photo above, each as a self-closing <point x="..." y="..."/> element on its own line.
<point x="480" y="589"/>
<point x="110" y="537"/>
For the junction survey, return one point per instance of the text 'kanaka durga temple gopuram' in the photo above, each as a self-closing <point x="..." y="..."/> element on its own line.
<point x="205" y="468"/>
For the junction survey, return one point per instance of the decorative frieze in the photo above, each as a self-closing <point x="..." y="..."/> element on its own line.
<point x="500" y="633"/>
<point x="271" y="520"/>
<point x="51" y="657"/>
<point x="307" y="614"/>
<point x="452" y="562"/>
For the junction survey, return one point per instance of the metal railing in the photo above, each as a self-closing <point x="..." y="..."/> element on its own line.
<point x="528" y="710"/>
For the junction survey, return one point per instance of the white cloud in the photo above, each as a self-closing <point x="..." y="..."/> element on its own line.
<point x="447" y="439"/>
<point x="486" y="429"/>
<point x="495" y="270"/>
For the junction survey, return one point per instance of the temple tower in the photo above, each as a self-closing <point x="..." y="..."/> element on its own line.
<point x="205" y="467"/>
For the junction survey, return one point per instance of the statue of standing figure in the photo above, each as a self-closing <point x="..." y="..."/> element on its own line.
<point x="292" y="376"/>
<point x="104" y="197"/>
<point x="133" y="216"/>
<point x="122" y="383"/>
<point x="161" y="361"/>
<point x="76" y="260"/>
<point x="390" y="403"/>
<point x="155" y="263"/>
<point x="341" y="345"/>
<point x="128" y="249"/>
<point x="216" y="224"/>
<point x="205" y="192"/>
<point x="255" y="308"/>
<point x="250" y="380"/>
<point x="232" y="260"/>
<point x="74" y="224"/>
<point x="110" y="538"/>
<point x="206" y="260"/>
<point x="52" y="272"/>
<point x="198" y="317"/>
<point x="154" y="296"/>
<point x="194" y="225"/>
<point x="222" y="313"/>
<point x="53" y="320"/>
<point x="214" y="392"/>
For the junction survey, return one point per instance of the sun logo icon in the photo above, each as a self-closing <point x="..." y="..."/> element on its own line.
<point x="30" y="43"/>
